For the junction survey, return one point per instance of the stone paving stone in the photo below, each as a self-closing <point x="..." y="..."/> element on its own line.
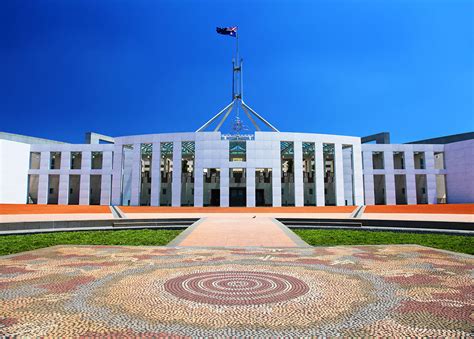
<point x="239" y="230"/>
<point x="124" y="291"/>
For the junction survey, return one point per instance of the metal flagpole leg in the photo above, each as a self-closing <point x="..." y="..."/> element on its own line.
<point x="223" y="119"/>
<point x="241" y="80"/>
<point x="259" y="117"/>
<point x="251" y="119"/>
<point x="233" y="80"/>
<point x="215" y="117"/>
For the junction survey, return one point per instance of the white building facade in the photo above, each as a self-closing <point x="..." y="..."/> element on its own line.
<point x="213" y="169"/>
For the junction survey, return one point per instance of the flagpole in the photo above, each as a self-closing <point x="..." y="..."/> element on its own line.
<point x="238" y="65"/>
<point x="237" y="49"/>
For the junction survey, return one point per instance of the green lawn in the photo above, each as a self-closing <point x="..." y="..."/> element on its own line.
<point x="456" y="243"/>
<point x="18" y="243"/>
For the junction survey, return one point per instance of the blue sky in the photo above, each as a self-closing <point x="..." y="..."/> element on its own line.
<point x="127" y="67"/>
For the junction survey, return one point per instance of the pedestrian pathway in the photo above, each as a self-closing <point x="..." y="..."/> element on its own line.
<point x="245" y="230"/>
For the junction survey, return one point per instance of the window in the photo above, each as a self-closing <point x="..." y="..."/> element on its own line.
<point x="53" y="188"/>
<point x="439" y="160"/>
<point x="127" y="166"/>
<point x="96" y="161"/>
<point x="33" y="181"/>
<point x="167" y="175"/>
<point x="329" y="174"/>
<point x="187" y="173"/>
<point x="76" y="160"/>
<point x="398" y="160"/>
<point x="55" y="160"/>
<point x="287" y="157"/>
<point x="377" y="160"/>
<point x="237" y="151"/>
<point x="95" y="189"/>
<point x="419" y="158"/>
<point x="146" y="154"/>
<point x="35" y="159"/>
<point x="441" y="189"/>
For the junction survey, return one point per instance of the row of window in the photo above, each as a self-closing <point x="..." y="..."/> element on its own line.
<point x="399" y="160"/>
<point x="237" y="152"/>
<point x="75" y="160"/>
<point x="400" y="194"/>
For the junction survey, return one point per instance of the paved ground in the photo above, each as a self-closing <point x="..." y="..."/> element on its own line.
<point x="127" y="291"/>
<point x="25" y="213"/>
<point x="238" y="230"/>
<point x="276" y="287"/>
<point x="422" y="209"/>
<point x="6" y="209"/>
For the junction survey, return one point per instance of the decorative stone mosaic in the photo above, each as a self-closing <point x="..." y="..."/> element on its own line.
<point x="158" y="291"/>
<point x="236" y="287"/>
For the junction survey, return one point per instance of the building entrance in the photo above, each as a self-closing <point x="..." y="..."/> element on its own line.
<point x="263" y="187"/>
<point x="259" y="197"/>
<point x="215" y="197"/>
<point x="237" y="196"/>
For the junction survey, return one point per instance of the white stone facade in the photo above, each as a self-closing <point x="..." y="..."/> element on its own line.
<point x="14" y="159"/>
<point x="408" y="171"/>
<point x="460" y="169"/>
<point x="426" y="174"/>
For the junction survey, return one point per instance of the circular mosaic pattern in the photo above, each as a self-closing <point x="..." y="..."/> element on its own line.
<point x="236" y="287"/>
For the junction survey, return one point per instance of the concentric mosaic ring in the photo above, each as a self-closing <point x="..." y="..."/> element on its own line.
<point x="236" y="287"/>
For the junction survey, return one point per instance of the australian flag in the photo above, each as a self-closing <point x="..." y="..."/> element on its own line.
<point x="232" y="31"/>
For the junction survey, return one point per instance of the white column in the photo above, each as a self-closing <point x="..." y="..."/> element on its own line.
<point x="390" y="194"/>
<point x="368" y="178"/>
<point x="43" y="189"/>
<point x="319" y="172"/>
<point x="155" y="175"/>
<point x="224" y="187"/>
<point x="430" y="178"/>
<point x="358" y="175"/>
<point x="63" y="195"/>
<point x="411" y="189"/>
<point x="276" y="185"/>
<point x="339" y="167"/>
<point x="86" y="162"/>
<point x="176" y="183"/>
<point x="45" y="161"/>
<point x="106" y="180"/>
<point x="250" y="174"/>
<point x="136" y="175"/>
<point x="84" y="191"/>
<point x="429" y="160"/>
<point x="65" y="161"/>
<point x="369" y="189"/>
<point x="198" y="186"/>
<point x="410" y="178"/>
<point x="298" y="173"/>
<point x="105" y="186"/>
<point x="117" y="175"/>
<point x="431" y="189"/>
<point x="107" y="161"/>
<point x="43" y="178"/>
